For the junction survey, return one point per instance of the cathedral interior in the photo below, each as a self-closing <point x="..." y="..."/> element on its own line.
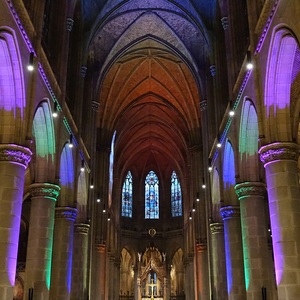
<point x="149" y="149"/>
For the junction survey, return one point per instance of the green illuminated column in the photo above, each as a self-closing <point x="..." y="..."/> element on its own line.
<point x="219" y="283"/>
<point x="40" y="239"/>
<point x="80" y="262"/>
<point x="61" y="272"/>
<point x="258" y="273"/>
<point x="234" y="253"/>
<point x="14" y="160"/>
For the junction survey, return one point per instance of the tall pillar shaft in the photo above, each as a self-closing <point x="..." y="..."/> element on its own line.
<point x="62" y="253"/>
<point x="258" y="274"/>
<point x="234" y="253"/>
<point x="14" y="160"/>
<point x="280" y="161"/>
<point x="99" y="273"/>
<point x="40" y="239"/>
<point x="80" y="262"/>
<point x="219" y="283"/>
<point x="202" y="286"/>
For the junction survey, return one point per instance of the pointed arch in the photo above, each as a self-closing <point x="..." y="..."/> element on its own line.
<point x="82" y="196"/>
<point x="127" y="190"/>
<point x="248" y="141"/>
<point x="228" y="172"/>
<point x="216" y="196"/>
<point x="12" y="94"/>
<point x="66" y="173"/>
<point x="151" y="196"/>
<point x="43" y="133"/>
<point x="282" y="70"/>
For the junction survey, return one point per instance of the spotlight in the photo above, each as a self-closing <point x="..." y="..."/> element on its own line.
<point x="98" y="198"/>
<point x="55" y="112"/>
<point x="104" y="210"/>
<point x="249" y="61"/>
<point x="30" y="66"/>
<point x="108" y="217"/>
<point x="71" y="141"/>
<point x="190" y="217"/>
<point x="231" y="113"/>
<point x="197" y="197"/>
<point x="209" y="168"/>
<point x="82" y="166"/>
<point x="219" y="145"/>
<point x="194" y="208"/>
<point x="92" y="184"/>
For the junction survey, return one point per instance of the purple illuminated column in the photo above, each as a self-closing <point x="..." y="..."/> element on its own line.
<point x="40" y="239"/>
<point x="234" y="253"/>
<point x="61" y="272"/>
<point x="80" y="262"/>
<point x="14" y="160"/>
<point x="282" y="176"/>
<point x="258" y="271"/>
<point x="219" y="282"/>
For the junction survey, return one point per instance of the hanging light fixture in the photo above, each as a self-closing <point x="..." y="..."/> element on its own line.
<point x="98" y="197"/>
<point x="249" y="61"/>
<point x="82" y="166"/>
<point x="190" y="217"/>
<point x="197" y="197"/>
<point x="104" y="209"/>
<point x="30" y="66"/>
<point x="55" y="111"/>
<point x="92" y="184"/>
<point x="71" y="141"/>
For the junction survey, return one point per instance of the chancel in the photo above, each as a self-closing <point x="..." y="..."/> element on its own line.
<point x="149" y="149"/>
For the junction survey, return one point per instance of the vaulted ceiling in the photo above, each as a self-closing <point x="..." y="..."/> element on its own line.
<point x="149" y="59"/>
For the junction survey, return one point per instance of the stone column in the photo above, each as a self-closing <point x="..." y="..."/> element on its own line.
<point x="138" y="294"/>
<point x="219" y="281"/>
<point x="234" y="253"/>
<point x="62" y="253"/>
<point x="165" y="289"/>
<point x="14" y="160"/>
<point x="40" y="239"/>
<point x="282" y="176"/>
<point x="80" y="262"/>
<point x="258" y="274"/>
<point x="99" y="273"/>
<point x="202" y="288"/>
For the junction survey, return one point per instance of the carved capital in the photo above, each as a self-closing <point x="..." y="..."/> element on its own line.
<point x="201" y="247"/>
<point x="100" y="248"/>
<point x="229" y="212"/>
<point x="82" y="228"/>
<point x="45" y="190"/>
<point x="66" y="212"/>
<point x="279" y="151"/>
<point x="95" y="106"/>
<point x="213" y="70"/>
<point x="225" y="22"/>
<point x="70" y="23"/>
<point x="247" y="189"/>
<point x="83" y="71"/>
<point x="15" y="153"/>
<point x="216" y="228"/>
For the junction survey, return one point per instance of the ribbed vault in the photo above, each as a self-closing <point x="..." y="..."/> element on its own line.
<point x="150" y="97"/>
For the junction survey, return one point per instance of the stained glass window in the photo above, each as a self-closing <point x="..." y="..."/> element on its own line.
<point x="151" y="196"/>
<point x="176" y="196"/>
<point x="127" y="196"/>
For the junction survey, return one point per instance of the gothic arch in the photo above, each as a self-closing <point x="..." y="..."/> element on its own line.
<point x="66" y="174"/>
<point x="216" y="196"/>
<point x="12" y="94"/>
<point x="44" y="138"/>
<point x="248" y="142"/>
<point x="281" y="77"/>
